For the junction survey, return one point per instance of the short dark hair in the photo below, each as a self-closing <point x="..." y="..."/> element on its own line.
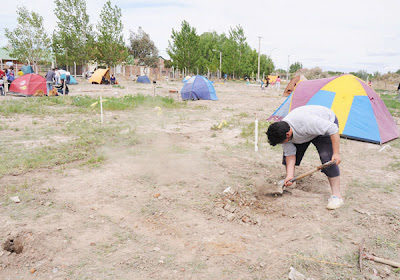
<point x="277" y="132"/>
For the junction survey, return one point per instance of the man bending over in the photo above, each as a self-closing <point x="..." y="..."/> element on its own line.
<point x="305" y="125"/>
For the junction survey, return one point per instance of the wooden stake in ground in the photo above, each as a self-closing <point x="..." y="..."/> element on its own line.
<point x="256" y="135"/>
<point x="101" y="108"/>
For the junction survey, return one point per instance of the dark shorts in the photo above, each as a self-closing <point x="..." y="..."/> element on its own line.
<point x="323" y="144"/>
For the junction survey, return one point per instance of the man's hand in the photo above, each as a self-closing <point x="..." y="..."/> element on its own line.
<point x="287" y="181"/>
<point x="335" y="138"/>
<point x="336" y="158"/>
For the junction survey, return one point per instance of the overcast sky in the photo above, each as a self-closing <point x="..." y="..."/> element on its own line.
<point x="339" y="35"/>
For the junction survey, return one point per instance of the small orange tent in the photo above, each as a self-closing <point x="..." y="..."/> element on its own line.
<point x="98" y="75"/>
<point x="292" y="84"/>
<point x="272" y="79"/>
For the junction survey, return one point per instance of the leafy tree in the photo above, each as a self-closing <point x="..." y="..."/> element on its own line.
<point x="29" y="40"/>
<point x="377" y="74"/>
<point x="167" y="63"/>
<point x="143" y="48"/>
<point x="295" y="66"/>
<point x="362" y="74"/>
<point x="266" y="65"/>
<point x="184" y="48"/>
<point x="335" y="73"/>
<point x="238" y="47"/>
<point x="249" y="63"/>
<point x="398" y="71"/>
<point x="130" y="60"/>
<point x="110" y="47"/>
<point x="209" y="46"/>
<point x="73" y="36"/>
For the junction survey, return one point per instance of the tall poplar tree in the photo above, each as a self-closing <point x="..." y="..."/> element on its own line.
<point x="73" y="36"/>
<point x="110" y="46"/>
<point x="184" y="48"/>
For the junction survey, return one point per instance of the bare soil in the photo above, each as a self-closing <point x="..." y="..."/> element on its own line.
<point x="158" y="210"/>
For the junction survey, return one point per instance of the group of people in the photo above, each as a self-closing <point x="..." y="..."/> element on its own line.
<point x="8" y="75"/>
<point x="112" y="80"/>
<point x="53" y="79"/>
<point x="265" y="83"/>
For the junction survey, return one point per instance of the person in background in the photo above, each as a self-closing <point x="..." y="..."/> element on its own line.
<point x="278" y="83"/>
<point x="60" y="88"/>
<point x="57" y="76"/>
<point x="398" y="89"/>
<point x="2" y="76"/>
<point x="112" y="79"/>
<point x="68" y="77"/>
<point x="10" y="76"/>
<point x="267" y="81"/>
<point x="370" y="83"/>
<point x="50" y="76"/>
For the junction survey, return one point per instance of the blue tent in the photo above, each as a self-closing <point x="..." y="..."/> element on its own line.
<point x="198" y="87"/>
<point x="27" y="69"/>
<point x="143" y="79"/>
<point x="72" y="80"/>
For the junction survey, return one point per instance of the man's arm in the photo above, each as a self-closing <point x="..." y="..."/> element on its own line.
<point x="335" y="138"/>
<point x="290" y="164"/>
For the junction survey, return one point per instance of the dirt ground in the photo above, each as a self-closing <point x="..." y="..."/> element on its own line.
<point x="158" y="210"/>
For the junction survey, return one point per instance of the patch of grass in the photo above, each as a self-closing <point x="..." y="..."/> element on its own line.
<point x="366" y="185"/>
<point x="219" y="126"/>
<point x="21" y="190"/>
<point x="118" y="86"/>
<point x="83" y="138"/>
<point x="95" y="161"/>
<point x="49" y="105"/>
<point x="249" y="130"/>
<point x="201" y="107"/>
<point x="392" y="104"/>
<point x="314" y="263"/>
<point x="242" y="115"/>
<point x="395" y="143"/>
<point x="388" y="244"/>
<point x="387" y="248"/>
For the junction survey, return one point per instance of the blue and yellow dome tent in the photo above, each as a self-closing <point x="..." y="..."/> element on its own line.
<point x="198" y="87"/>
<point x="361" y="113"/>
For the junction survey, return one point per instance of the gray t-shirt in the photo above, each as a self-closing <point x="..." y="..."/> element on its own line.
<point x="308" y="122"/>
<point x="50" y="75"/>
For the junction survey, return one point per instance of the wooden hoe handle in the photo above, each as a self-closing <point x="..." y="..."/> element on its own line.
<point x="322" y="166"/>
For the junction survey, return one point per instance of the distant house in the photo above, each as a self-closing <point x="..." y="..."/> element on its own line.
<point x="7" y="60"/>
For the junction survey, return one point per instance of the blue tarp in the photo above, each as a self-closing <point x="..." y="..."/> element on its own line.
<point x="27" y="69"/>
<point x="143" y="79"/>
<point x="198" y="87"/>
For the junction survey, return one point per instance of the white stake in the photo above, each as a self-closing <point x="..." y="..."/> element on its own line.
<point x="256" y="138"/>
<point x="101" y="109"/>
